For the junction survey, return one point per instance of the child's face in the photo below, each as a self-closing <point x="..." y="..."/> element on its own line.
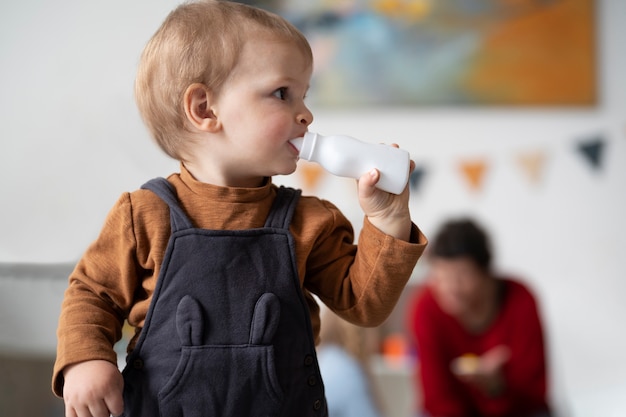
<point x="261" y="107"/>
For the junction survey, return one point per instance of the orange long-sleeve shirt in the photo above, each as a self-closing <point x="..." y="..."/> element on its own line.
<point x="115" y="279"/>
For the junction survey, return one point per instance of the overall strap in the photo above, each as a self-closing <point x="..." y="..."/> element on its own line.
<point x="283" y="208"/>
<point x="161" y="187"/>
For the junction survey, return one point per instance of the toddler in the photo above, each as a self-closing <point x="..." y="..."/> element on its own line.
<point x="215" y="267"/>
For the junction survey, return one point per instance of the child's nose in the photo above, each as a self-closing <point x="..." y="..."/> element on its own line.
<point x="305" y="117"/>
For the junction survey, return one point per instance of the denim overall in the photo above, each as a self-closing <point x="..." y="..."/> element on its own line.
<point x="228" y="332"/>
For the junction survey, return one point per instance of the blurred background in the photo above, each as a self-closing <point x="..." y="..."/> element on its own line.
<point x="514" y="112"/>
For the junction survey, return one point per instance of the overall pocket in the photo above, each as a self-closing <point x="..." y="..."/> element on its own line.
<point x="223" y="381"/>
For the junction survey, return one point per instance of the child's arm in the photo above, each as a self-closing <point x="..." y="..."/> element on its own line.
<point x="388" y="212"/>
<point x="96" y="302"/>
<point x="93" y="389"/>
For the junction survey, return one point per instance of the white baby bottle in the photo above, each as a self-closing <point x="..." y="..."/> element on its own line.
<point x="346" y="156"/>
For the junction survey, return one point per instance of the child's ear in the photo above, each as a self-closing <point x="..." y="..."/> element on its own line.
<point x="197" y="102"/>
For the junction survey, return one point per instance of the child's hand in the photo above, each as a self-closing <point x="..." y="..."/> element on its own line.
<point x="93" y="389"/>
<point x="388" y="212"/>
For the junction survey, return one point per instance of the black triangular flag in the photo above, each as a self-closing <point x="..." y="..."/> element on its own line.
<point x="593" y="151"/>
<point x="416" y="178"/>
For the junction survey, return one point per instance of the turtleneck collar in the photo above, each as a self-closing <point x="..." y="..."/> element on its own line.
<point x="230" y="194"/>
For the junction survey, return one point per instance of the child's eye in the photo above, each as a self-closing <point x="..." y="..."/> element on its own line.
<point x="281" y="93"/>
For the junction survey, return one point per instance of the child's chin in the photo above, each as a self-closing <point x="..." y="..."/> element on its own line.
<point x="287" y="170"/>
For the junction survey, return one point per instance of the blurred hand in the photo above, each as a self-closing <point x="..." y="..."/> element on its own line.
<point x="484" y="372"/>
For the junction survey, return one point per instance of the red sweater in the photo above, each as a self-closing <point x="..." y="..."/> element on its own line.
<point x="440" y="338"/>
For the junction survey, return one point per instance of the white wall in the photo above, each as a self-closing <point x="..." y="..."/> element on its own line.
<point x="71" y="142"/>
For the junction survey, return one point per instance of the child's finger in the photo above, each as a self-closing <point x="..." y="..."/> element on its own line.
<point x="99" y="409"/>
<point x="115" y="404"/>
<point x="367" y="182"/>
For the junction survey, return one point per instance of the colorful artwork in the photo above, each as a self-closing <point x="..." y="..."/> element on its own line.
<point x="448" y="52"/>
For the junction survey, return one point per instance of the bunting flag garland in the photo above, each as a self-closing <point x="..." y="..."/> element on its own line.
<point x="532" y="164"/>
<point x="474" y="172"/>
<point x="416" y="178"/>
<point x="311" y="174"/>
<point x="593" y="151"/>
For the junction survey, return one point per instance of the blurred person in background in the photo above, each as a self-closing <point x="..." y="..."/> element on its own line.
<point x="343" y="355"/>
<point x="479" y="337"/>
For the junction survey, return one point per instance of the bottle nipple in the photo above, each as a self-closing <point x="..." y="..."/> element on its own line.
<point x="297" y="142"/>
<point x="306" y="144"/>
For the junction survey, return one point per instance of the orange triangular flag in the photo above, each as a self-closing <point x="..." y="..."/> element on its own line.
<point x="532" y="164"/>
<point x="474" y="172"/>
<point x="311" y="173"/>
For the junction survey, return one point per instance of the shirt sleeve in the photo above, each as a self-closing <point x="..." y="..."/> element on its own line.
<point x="361" y="283"/>
<point x="98" y="296"/>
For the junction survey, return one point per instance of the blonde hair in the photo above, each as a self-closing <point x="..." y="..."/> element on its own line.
<point x="199" y="42"/>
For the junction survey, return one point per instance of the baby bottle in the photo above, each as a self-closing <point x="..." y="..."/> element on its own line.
<point x="346" y="156"/>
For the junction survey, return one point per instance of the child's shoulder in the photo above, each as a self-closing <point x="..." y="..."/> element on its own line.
<point x="141" y="198"/>
<point x="312" y="205"/>
<point x="314" y="213"/>
<point x="140" y="205"/>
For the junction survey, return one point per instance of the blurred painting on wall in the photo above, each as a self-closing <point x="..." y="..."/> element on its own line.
<point x="448" y="52"/>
